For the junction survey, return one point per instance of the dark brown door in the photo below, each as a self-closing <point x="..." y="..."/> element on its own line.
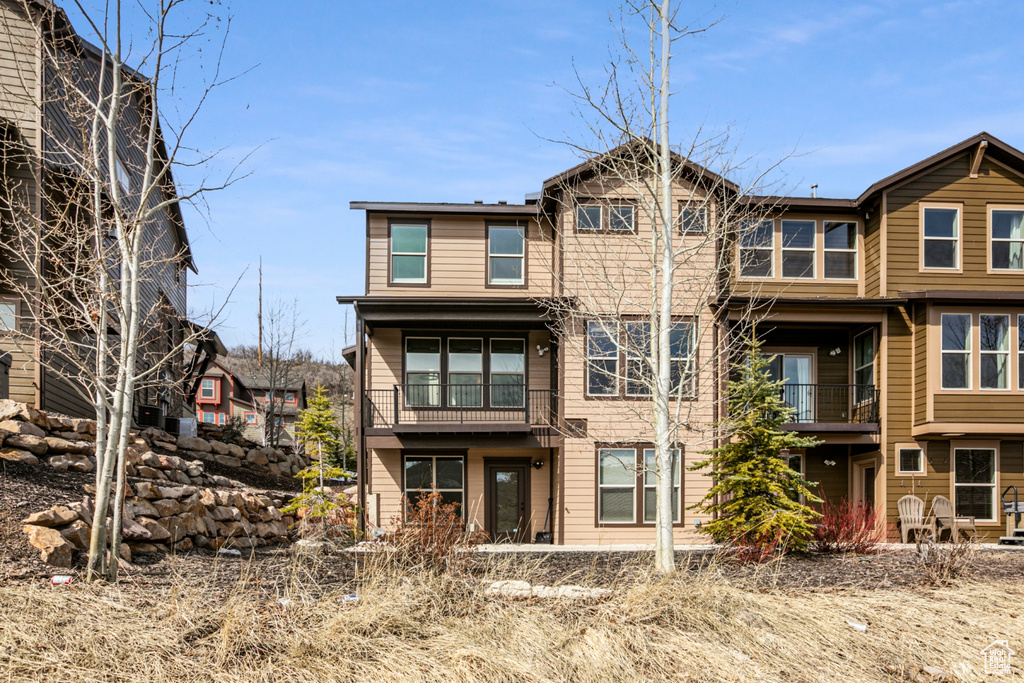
<point x="869" y="486"/>
<point x="507" y="501"/>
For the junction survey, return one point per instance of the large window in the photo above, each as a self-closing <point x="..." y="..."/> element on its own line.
<point x="627" y="485"/>
<point x="506" y="255"/>
<point x="840" y="250"/>
<point x="602" y="358"/>
<point x="798" y="249"/>
<point x="994" y="344"/>
<point x="651" y="486"/>
<point x="422" y="371"/>
<point x="508" y="373"/>
<point x="606" y="353"/>
<point x="864" y="365"/>
<point x="941" y="238"/>
<point x="465" y="372"/>
<point x="478" y="372"/>
<point x="208" y="390"/>
<point x="425" y="474"/>
<point x="605" y="216"/>
<point x="956" y="351"/>
<point x="757" y="243"/>
<point x="1007" y="239"/>
<point x="408" y="254"/>
<point x="975" y="483"/>
<point x="637" y="348"/>
<point x="8" y="315"/>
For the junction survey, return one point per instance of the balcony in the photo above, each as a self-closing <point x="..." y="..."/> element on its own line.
<point x="449" y="408"/>
<point x="832" y="407"/>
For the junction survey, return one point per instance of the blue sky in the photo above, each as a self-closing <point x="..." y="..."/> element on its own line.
<point x="457" y="101"/>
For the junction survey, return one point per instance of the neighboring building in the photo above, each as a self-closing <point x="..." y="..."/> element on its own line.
<point x="36" y="130"/>
<point x="288" y="401"/>
<point x="223" y="398"/>
<point x="895" y="319"/>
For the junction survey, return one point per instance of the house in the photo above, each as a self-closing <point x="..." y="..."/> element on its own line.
<point x="37" y="133"/>
<point x="222" y="398"/>
<point x="499" y="361"/>
<point x="289" y="398"/>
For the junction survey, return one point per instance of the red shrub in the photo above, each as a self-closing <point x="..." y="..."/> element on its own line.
<point x="430" y="537"/>
<point x="847" y="527"/>
<point x="757" y="547"/>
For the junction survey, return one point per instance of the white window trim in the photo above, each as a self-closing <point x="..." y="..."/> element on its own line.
<point x="213" y="389"/>
<point x="392" y="253"/>
<point x="923" y="471"/>
<point x="600" y="222"/>
<point x="702" y="211"/>
<point x="491" y="280"/>
<point x="855" y="251"/>
<point x="812" y="250"/>
<point x="770" y="247"/>
<point x="601" y="486"/>
<point x="955" y="446"/>
<point x="1007" y="353"/>
<point x="612" y="328"/>
<point x="959" y="208"/>
<point x="991" y="268"/>
<point x="969" y="352"/>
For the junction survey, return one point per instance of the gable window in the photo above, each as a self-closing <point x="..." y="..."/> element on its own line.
<point x="798" y="249"/>
<point x="604" y="215"/>
<point x="408" y="254"/>
<point x="910" y="460"/>
<point x="426" y="474"/>
<point x="588" y="217"/>
<point x="974" y="484"/>
<point x="941" y="238"/>
<point x="506" y="249"/>
<point x="694" y="219"/>
<point x="602" y="358"/>
<point x="864" y="365"/>
<point x="651" y="486"/>
<point x="465" y="372"/>
<point x="757" y="243"/>
<point x="620" y="218"/>
<point x="1007" y="239"/>
<point x="840" y="250"/>
<point x="208" y="390"/>
<point x="279" y="422"/>
<point x="423" y="371"/>
<point x="994" y="333"/>
<point x="508" y="372"/>
<point x="956" y="351"/>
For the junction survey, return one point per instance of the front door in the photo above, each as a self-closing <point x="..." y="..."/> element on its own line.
<point x="507" y="513"/>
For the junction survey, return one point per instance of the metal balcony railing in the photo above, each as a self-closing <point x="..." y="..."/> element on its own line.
<point x="459" y="404"/>
<point x="835" y="403"/>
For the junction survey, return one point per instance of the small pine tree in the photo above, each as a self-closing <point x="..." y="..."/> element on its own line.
<point x="755" y="494"/>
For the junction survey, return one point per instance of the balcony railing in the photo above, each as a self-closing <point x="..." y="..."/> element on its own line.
<point x="835" y="403"/>
<point x="459" y="404"/>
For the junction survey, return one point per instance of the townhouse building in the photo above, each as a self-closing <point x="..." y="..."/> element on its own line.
<point x="499" y="361"/>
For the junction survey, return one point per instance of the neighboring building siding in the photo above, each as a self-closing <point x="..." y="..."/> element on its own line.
<point x="920" y="336"/>
<point x="872" y="253"/>
<point x="899" y="388"/>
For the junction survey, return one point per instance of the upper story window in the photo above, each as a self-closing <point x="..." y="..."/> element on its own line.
<point x="1007" y="248"/>
<point x="605" y="216"/>
<point x="694" y="219"/>
<point x="508" y="372"/>
<point x="606" y="353"/>
<point x="588" y="217"/>
<point x="423" y="371"/>
<point x="798" y="249"/>
<point x="506" y="255"/>
<point x="289" y="397"/>
<point x="208" y="390"/>
<point x="464" y="363"/>
<point x="956" y="351"/>
<point x="602" y="358"/>
<point x="250" y="418"/>
<point x="465" y="372"/>
<point x="757" y="245"/>
<point x="864" y="365"/>
<point x="840" y="250"/>
<point x="409" y="254"/>
<point x="621" y="218"/>
<point x="8" y="315"/>
<point x="940" y="237"/>
<point x="124" y="181"/>
<point x="994" y="345"/>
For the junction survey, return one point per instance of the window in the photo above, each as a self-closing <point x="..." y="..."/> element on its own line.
<point x="617" y="485"/>
<point x="280" y="423"/>
<point x="422" y="371"/>
<point x="620" y="218"/>
<point x="694" y="220"/>
<point x="602" y="358"/>
<point x="994" y="334"/>
<point x="956" y="351"/>
<point x="266" y="396"/>
<point x="941" y="238"/>
<point x="289" y="397"/>
<point x="974" y="489"/>
<point x="840" y="250"/>
<point x="681" y="342"/>
<point x="588" y="217"/>
<point x="651" y="486"/>
<point x="409" y="254"/>
<point x="465" y="372"/>
<point x="221" y="417"/>
<point x="798" y="249"/>
<point x="637" y="348"/>
<point x="207" y="418"/>
<point x="757" y="242"/>
<point x="864" y="366"/>
<point x="208" y="390"/>
<point x="1007" y="239"/>
<point x="508" y="373"/>
<point x="425" y="474"/>
<point x="505" y="255"/>
<point x="910" y="460"/>
<point x="250" y="418"/>
<point x="8" y="315"/>
<point x="124" y="181"/>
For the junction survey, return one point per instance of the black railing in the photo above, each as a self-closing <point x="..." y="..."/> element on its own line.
<point x="842" y="403"/>
<point x="459" y="404"/>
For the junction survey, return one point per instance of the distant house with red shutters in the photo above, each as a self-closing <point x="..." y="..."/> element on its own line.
<point x="289" y="399"/>
<point x="222" y="397"/>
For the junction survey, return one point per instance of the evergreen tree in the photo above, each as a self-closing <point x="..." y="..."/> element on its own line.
<point x="756" y="495"/>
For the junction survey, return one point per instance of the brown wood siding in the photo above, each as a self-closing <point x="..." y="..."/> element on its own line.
<point x="920" y="335"/>
<point x="872" y="253"/>
<point x="899" y="386"/>
<point x="979" y="407"/>
<point x="828" y="369"/>
<point x="830" y="482"/>
<point x="950" y="184"/>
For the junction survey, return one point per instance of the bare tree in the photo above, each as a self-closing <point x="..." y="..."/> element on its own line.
<point x="92" y="248"/>
<point x="644" y="232"/>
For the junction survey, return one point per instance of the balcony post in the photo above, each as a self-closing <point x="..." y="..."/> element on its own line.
<point x="397" y="402"/>
<point x="526" y="403"/>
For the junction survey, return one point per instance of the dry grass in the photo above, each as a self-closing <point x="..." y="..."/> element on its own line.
<point x="418" y="627"/>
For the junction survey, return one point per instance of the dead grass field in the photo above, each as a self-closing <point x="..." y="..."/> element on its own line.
<point x="698" y="625"/>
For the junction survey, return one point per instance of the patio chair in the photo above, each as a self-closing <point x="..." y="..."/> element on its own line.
<point x="942" y="512"/>
<point x="911" y="509"/>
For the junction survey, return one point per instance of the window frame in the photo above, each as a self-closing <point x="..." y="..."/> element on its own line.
<point x="812" y="250"/>
<point x="701" y="210"/>
<point x="215" y="385"/>
<point x="678" y="516"/>
<point x="1008" y="369"/>
<point x="245" y="418"/>
<point x="969" y="351"/>
<point x="991" y="209"/>
<point x="433" y="457"/>
<point x="770" y="248"/>
<point x="857" y="368"/>
<point x="993" y="446"/>
<point x="15" y="305"/>
<point x="441" y="346"/>
<point x="639" y="485"/>
<point x="825" y="250"/>
<point x="605" y="205"/>
<point x="491" y="373"/>
<point x="418" y="223"/>
<point x="958" y="240"/>
<point x="605" y="327"/>
<point x="624" y="359"/>
<point x="447" y="351"/>
<point x="899" y="447"/>
<point x="489" y="281"/>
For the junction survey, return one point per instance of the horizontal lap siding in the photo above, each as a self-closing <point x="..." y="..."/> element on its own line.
<point x="980" y="407"/>
<point x="872" y="254"/>
<point x="920" y="336"/>
<point x="898" y="415"/>
<point x="829" y="369"/>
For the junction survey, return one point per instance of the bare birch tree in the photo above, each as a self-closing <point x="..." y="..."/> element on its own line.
<point x="644" y="231"/>
<point x="95" y="263"/>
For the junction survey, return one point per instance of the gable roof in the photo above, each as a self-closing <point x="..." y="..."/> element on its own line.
<point x="994" y="147"/>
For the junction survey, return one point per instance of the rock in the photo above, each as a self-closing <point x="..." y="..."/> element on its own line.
<point x="17" y="427"/>
<point x="140" y="508"/>
<point x="167" y="507"/>
<point x="150" y="459"/>
<point x="58" y="515"/>
<point x="77" y="534"/>
<point x="171" y="462"/>
<point x="59" y="423"/>
<point x="193" y="525"/>
<point x="201" y="541"/>
<point x="85" y="426"/>
<point x="223" y="482"/>
<point x="78" y="463"/>
<point x="139" y="548"/>
<point x="236" y="451"/>
<point x="227" y="460"/>
<point x="175" y="491"/>
<point x="12" y="410"/>
<point x="144" y="489"/>
<point x="124" y="551"/>
<point x="193" y="443"/>
<point x="18" y="455"/>
<point x="184" y="545"/>
<point x="154" y="434"/>
<point x="133" y="531"/>
<point x="179" y="476"/>
<point x="175" y="528"/>
<point x="59" y="446"/>
<point x="173" y="448"/>
<point x="27" y="442"/>
<point x="194" y="471"/>
<point x="157" y="531"/>
<point x="55" y="549"/>
<point x="226" y="514"/>
<point x="219" y="447"/>
<point x="150" y="473"/>
<point x="257" y="457"/>
<point x="934" y="671"/>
